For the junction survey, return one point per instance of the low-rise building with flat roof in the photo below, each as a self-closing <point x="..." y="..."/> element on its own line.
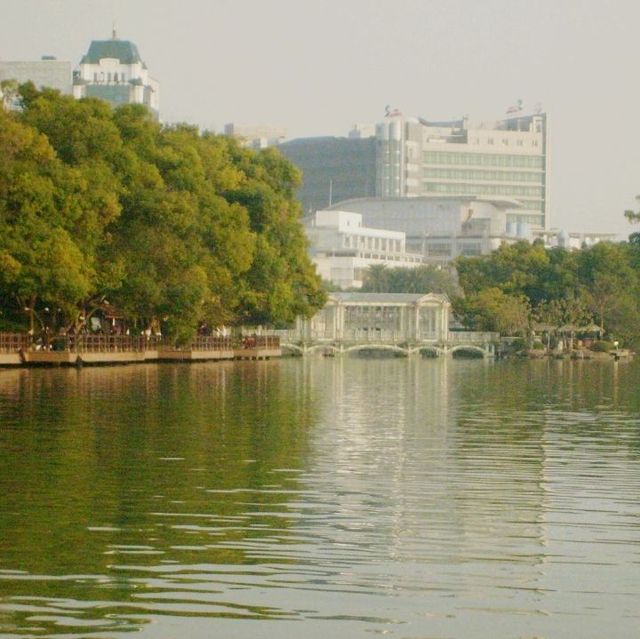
<point x="343" y="249"/>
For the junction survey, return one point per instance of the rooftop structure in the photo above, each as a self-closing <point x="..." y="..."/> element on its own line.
<point x="114" y="71"/>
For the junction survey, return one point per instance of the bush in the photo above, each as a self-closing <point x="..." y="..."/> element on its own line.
<point x="518" y="345"/>
<point x="538" y="346"/>
<point x="601" y="347"/>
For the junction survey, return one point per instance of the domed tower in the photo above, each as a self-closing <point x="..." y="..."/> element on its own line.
<point x="114" y="71"/>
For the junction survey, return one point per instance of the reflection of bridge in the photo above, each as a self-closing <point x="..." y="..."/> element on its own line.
<point x="399" y="323"/>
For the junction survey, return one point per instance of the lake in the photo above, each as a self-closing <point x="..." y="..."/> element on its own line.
<point x="342" y="498"/>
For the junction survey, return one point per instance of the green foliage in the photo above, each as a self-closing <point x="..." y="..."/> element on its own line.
<point x="173" y="226"/>
<point x="493" y="310"/>
<point x="601" y="347"/>
<point x="422" y="279"/>
<point x="572" y="289"/>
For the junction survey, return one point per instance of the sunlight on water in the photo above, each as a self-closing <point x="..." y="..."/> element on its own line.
<point x="341" y="497"/>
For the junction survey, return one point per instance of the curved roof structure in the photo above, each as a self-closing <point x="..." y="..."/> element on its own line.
<point x="123" y="50"/>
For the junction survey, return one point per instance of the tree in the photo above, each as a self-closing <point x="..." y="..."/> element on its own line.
<point x="173" y="226"/>
<point x="493" y="310"/>
<point x="421" y="279"/>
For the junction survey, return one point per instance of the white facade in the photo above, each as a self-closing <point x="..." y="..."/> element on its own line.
<point x="114" y="71"/>
<point x="380" y="317"/>
<point x="343" y="249"/>
<point x="506" y="159"/>
<point x="442" y="228"/>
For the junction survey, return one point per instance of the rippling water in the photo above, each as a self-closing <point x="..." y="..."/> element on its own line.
<point x="416" y="499"/>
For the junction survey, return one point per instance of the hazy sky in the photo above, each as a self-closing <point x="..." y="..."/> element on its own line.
<point x="318" y="66"/>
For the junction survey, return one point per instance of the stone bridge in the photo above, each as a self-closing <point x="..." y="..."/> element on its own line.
<point x="461" y="342"/>
<point x="405" y="324"/>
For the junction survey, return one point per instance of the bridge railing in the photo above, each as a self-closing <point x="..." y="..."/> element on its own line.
<point x="472" y="337"/>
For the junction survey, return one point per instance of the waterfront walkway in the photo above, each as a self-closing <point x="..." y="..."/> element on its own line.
<point x="18" y="349"/>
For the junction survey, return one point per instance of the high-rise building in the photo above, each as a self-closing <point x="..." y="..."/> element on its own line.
<point x="507" y="159"/>
<point x="333" y="169"/>
<point x="114" y="71"/>
<point x="412" y="157"/>
<point x="46" y="72"/>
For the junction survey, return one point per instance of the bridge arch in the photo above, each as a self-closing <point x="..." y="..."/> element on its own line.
<point x="471" y="349"/>
<point x="325" y="348"/>
<point x="377" y="347"/>
<point x="430" y="349"/>
<point x="294" y="348"/>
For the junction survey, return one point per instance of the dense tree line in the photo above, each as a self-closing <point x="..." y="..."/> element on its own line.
<point x="523" y="285"/>
<point x="167" y="225"/>
<point x="423" y="279"/>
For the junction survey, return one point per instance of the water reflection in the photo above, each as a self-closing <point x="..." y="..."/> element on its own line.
<point x="408" y="497"/>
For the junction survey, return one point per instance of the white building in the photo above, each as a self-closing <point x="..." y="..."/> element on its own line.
<point x="114" y="71"/>
<point x="46" y="72"/>
<point x="503" y="159"/>
<point x="343" y="249"/>
<point x="380" y="317"/>
<point x="442" y="228"/>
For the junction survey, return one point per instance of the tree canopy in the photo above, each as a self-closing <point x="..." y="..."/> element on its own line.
<point x="170" y="225"/>
<point x="594" y="285"/>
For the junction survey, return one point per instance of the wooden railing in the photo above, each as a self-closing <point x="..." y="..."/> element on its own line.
<point x="210" y="343"/>
<point x="105" y="343"/>
<point x="259" y="341"/>
<point x="98" y="343"/>
<point x="14" y="342"/>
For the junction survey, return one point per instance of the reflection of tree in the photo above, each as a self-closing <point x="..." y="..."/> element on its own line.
<point x="97" y="463"/>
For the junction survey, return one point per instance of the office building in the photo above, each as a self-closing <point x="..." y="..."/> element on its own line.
<point x="505" y="159"/>
<point x="406" y="157"/>
<point x="333" y="169"/>
<point x="113" y="70"/>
